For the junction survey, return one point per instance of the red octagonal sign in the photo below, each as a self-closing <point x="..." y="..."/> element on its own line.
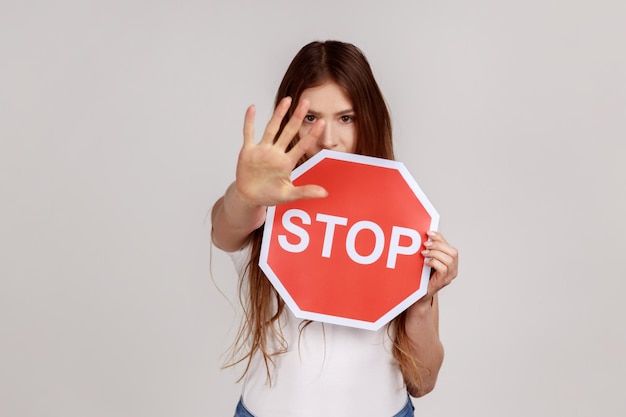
<point x="352" y="258"/>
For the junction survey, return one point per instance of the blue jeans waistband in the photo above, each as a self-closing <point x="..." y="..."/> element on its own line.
<point x="407" y="411"/>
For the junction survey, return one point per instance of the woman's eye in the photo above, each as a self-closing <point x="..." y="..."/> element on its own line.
<point x="347" y="119"/>
<point x="309" y="118"/>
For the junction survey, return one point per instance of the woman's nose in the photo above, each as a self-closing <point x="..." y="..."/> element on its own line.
<point x="327" y="139"/>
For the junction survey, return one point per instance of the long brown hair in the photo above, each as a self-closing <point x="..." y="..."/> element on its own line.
<point x="315" y="64"/>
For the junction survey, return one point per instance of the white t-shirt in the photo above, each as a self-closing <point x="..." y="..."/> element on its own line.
<point x="328" y="370"/>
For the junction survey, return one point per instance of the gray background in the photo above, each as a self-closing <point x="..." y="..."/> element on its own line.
<point x="120" y="123"/>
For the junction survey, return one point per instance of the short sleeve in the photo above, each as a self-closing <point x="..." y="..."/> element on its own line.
<point x="240" y="259"/>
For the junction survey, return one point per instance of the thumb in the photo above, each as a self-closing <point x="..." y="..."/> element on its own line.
<point x="308" y="192"/>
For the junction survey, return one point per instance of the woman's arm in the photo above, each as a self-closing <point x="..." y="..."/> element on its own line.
<point x="233" y="219"/>
<point x="422" y="327"/>
<point x="422" y="322"/>
<point x="263" y="176"/>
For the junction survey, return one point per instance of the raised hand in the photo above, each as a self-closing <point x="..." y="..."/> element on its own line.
<point x="264" y="168"/>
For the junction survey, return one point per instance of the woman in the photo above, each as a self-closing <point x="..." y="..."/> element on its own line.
<point x="303" y="368"/>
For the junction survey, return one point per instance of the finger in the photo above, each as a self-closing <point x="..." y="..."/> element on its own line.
<point x="446" y="249"/>
<point x="442" y="272"/>
<point x="442" y="275"/>
<point x="436" y="236"/>
<point x="441" y="257"/>
<point x="273" y="126"/>
<point x="248" y="126"/>
<point x="437" y="242"/>
<point x="293" y="125"/>
<point x="308" y="192"/>
<point x="437" y="283"/>
<point x="305" y="143"/>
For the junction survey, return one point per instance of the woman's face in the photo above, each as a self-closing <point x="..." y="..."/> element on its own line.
<point x="330" y="103"/>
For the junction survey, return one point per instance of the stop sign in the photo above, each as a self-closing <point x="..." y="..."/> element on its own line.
<point x="352" y="258"/>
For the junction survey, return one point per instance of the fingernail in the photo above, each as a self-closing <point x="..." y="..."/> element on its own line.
<point x="425" y="252"/>
<point x="428" y="244"/>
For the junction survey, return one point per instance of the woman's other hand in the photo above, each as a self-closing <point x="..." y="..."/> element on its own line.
<point x="443" y="258"/>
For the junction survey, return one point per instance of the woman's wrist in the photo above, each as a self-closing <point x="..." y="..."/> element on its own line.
<point x="242" y="213"/>
<point x="422" y="308"/>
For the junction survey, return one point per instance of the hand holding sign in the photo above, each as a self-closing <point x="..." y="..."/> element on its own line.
<point x="354" y="257"/>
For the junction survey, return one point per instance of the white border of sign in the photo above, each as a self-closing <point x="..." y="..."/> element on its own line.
<point x="307" y="315"/>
